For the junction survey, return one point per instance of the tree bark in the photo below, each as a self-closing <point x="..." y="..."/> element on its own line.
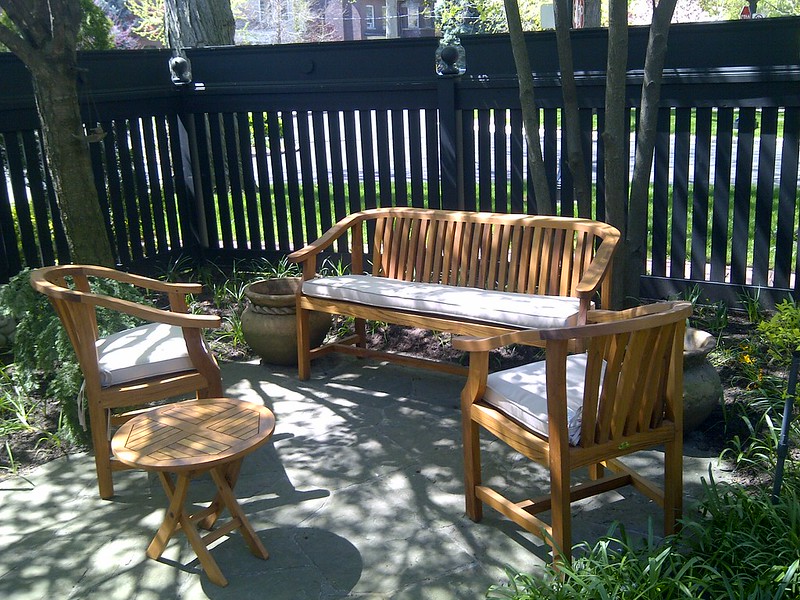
<point x="615" y="140"/>
<point x="530" y="113"/>
<point x="571" y="118"/>
<point x="392" y="19"/>
<point x="645" y="144"/>
<point x="591" y="13"/>
<point x="198" y="23"/>
<point x="47" y="47"/>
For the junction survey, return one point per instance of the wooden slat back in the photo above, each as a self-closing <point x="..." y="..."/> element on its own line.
<point x="513" y="253"/>
<point x="635" y="395"/>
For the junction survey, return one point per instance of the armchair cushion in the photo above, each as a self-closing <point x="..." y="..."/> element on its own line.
<point x="521" y="393"/>
<point x="146" y="351"/>
<point x="489" y="306"/>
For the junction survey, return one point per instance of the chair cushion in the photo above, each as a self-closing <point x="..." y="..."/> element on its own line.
<point x="501" y="308"/>
<point x="521" y="393"/>
<point x="147" y="351"/>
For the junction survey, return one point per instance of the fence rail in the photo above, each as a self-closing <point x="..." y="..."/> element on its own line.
<point x="271" y="145"/>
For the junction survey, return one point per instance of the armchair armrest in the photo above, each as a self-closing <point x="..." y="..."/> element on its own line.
<point x="476" y="344"/>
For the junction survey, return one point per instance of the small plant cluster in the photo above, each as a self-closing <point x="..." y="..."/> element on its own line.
<point x="739" y="545"/>
<point x="760" y="364"/>
<point x="44" y="361"/>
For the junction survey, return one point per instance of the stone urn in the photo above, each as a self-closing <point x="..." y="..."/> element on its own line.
<point x="702" y="388"/>
<point x="268" y="322"/>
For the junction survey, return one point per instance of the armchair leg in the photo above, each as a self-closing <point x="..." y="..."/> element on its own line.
<point x="560" y="513"/>
<point x="673" y="486"/>
<point x="472" y="468"/>
<point x="102" y="457"/>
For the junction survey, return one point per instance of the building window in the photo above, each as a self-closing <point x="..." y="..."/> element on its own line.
<point x="413" y="16"/>
<point x="370" y="16"/>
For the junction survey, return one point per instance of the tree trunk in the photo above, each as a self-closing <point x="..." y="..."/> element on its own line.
<point x="392" y="19"/>
<point x="571" y="118"/>
<point x="46" y="40"/>
<point x="645" y="145"/>
<point x="530" y="113"/>
<point x="67" y="155"/>
<point x="591" y="13"/>
<point x="198" y="23"/>
<point x="615" y="141"/>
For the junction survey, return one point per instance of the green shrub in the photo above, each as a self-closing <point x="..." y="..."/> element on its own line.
<point x="781" y="333"/>
<point x="740" y="545"/>
<point x="44" y="361"/>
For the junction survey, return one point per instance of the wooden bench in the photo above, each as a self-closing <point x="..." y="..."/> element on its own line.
<point x="466" y="273"/>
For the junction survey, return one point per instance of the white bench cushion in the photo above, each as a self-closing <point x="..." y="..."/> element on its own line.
<point x="147" y="351"/>
<point x="500" y="308"/>
<point x="521" y="393"/>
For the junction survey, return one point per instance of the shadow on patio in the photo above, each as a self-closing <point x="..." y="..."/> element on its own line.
<point x="359" y="494"/>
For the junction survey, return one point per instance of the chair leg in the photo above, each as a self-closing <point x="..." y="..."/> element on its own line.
<point x="673" y="486"/>
<point x="303" y="344"/>
<point x="472" y="467"/>
<point x="596" y="471"/>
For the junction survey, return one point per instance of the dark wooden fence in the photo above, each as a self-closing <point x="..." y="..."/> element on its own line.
<point x="271" y="145"/>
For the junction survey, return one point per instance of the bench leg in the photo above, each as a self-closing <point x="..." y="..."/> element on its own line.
<point x="303" y="344"/>
<point x="361" y="332"/>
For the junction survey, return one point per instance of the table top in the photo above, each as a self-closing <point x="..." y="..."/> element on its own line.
<point x="195" y="434"/>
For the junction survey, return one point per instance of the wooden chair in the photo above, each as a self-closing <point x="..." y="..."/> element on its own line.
<point x="622" y="395"/>
<point x="163" y="359"/>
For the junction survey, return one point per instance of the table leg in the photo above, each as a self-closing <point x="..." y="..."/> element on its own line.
<point x="176" y="497"/>
<point x="231" y="471"/>
<point x="176" y="518"/>
<point x="225" y="493"/>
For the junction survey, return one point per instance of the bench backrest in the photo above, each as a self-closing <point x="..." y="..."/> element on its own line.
<point x="492" y="251"/>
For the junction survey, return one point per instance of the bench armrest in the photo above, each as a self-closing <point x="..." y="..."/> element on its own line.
<point x="599" y="268"/>
<point x="310" y="251"/>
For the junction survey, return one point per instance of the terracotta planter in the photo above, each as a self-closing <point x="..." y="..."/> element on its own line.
<point x="269" y="321"/>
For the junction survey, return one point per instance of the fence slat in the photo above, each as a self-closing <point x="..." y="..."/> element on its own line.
<point x="722" y="190"/>
<point x="34" y="161"/>
<point x="153" y="182"/>
<point x="142" y="192"/>
<point x="658" y="253"/>
<point x="264" y="188"/>
<point x="243" y="120"/>
<point x="765" y="186"/>
<point x="785" y="246"/>
<point x="307" y="175"/>
<point x="740" y="237"/>
<point x="399" y="151"/>
<point x="680" y="193"/>
<point x="278" y="186"/>
<point x="700" y="193"/>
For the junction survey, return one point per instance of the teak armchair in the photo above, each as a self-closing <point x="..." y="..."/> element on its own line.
<point x="163" y="359"/>
<point x="622" y="395"/>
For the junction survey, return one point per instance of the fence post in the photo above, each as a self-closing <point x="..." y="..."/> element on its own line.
<point x="450" y="141"/>
<point x="181" y="76"/>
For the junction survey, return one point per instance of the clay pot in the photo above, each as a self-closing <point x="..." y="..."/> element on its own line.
<point x="702" y="388"/>
<point x="269" y="321"/>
